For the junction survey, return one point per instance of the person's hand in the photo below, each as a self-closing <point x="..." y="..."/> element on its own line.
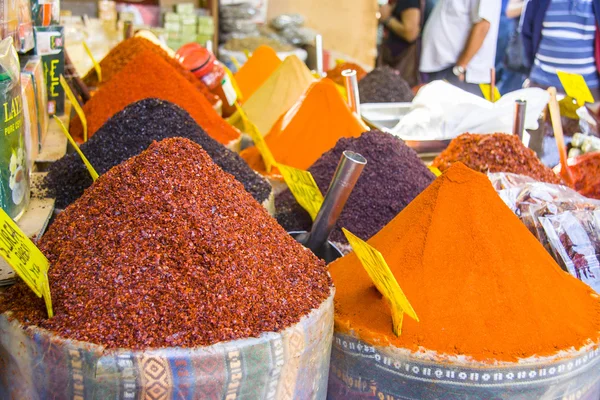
<point x="461" y="77"/>
<point x="385" y="11"/>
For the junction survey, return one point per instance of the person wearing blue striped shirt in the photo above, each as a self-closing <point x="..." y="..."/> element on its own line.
<point x="561" y="35"/>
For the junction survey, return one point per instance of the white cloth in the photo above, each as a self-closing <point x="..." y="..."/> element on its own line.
<point x="446" y="33"/>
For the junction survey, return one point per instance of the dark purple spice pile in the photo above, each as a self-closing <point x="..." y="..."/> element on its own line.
<point x="130" y="132"/>
<point x="393" y="177"/>
<point x="384" y="85"/>
<point x="168" y="250"/>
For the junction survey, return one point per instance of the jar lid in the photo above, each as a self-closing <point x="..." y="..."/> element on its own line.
<point x="195" y="58"/>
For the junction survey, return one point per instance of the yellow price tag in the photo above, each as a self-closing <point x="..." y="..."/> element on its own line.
<point x="258" y="139"/>
<point x="247" y="54"/>
<point x="25" y="258"/>
<point x="575" y="87"/>
<point x="234" y="85"/>
<point x="379" y="272"/>
<point x="304" y="188"/>
<point x="89" y="167"/>
<point x="76" y="106"/>
<point x="485" y="89"/>
<point x="340" y="61"/>
<point x="235" y="62"/>
<point x="96" y="65"/>
<point x="435" y="171"/>
<point x="568" y="107"/>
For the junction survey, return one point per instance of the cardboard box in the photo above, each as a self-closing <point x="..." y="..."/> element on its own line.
<point x="49" y="44"/>
<point x="34" y="68"/>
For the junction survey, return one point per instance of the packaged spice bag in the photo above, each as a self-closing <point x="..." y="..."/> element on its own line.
<point x="14" y="174"/>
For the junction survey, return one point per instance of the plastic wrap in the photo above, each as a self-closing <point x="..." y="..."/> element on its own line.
<point x="287" y="20"/>
<point x="292" y="364"/>
<point x="566" y="223"/>
<point x="238" y="11"/>
<point x="361" y="370"/>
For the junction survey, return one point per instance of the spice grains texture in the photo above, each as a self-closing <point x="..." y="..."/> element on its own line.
<point x="384" y="85"/>
<point x="497" y="152"/>
<point x="168" y="250"/>
<point x="148" y="75"/>
<point x="481" y="284"/>
<point x="393" y="177"/>
<point x="131" y="131"/>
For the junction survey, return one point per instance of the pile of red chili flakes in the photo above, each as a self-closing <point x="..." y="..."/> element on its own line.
<point x="497" y="152"/>
<point x="168" y="250"/>
<point x="586" y="172"/>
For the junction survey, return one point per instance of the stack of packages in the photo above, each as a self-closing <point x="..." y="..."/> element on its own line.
<point x="185" y="26"/>
<point x="564" y="221"/>
<point x="238" y="19"/>
<point x="49" y="45"/>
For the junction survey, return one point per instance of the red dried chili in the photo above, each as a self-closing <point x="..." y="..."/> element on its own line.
<point x="148" y="75"/>
<point x="498" y="152"/>
<point x="167" y="250"/>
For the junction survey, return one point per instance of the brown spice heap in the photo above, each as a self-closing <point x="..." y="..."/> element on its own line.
<point x="335" y="74"/>
<point x="498" y="152"/>
<point x="167" y="250"/>
<point x="126" y="51"/>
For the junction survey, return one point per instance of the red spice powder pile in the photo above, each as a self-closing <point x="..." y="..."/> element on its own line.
<point x="148" y="75"/>
<point x="165" y="250"/>
<point x="127" y="50"/>
<point x="479" y="281"/>
<point x="498" y="152"/>
<point x="335" y="74"/>
<point x="586" y="173"/>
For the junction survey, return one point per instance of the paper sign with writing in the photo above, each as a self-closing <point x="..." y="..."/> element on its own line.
<point x="485" y="89"/>
<point x="89" y="167"/>
<point x="435" y="171"/>
<point x="258" y="139"/>
<point x="94" y="62"/>
<point x="379" y="272"/>
<point x="575" y="87"/>
<point x="304" y="188"/>
<point x="76" y="106"/>
<point x="25" y="258"/>
<point x="568" y="107"/>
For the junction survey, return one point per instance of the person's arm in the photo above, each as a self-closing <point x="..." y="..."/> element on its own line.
<point x="527" y="30"/>
<point x="409" y="27"/>
<point x="514" y="8"/>
<point x="478" y="33"/>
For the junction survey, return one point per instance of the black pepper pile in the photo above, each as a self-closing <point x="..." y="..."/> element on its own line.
<point x="393" y="177"/>
<point x="130" y="132"/>
<point x="168" y="250"/>
<point x="384" y="85"/>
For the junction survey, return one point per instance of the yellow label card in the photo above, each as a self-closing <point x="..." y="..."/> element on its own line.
<point x="89" y="167"/>
<point x="435" y="171"/>
<point x="76" y="106"/>
<point x="304" y="188"/>
<point x="575" y="87"/>
<point x="379" y="272"/>
<point x="568" y="107"/>
<point x="25" y="258"/>
<point x="258" y="139"/>
<point x="485" y="89"/>
<point x="96" y="65"/>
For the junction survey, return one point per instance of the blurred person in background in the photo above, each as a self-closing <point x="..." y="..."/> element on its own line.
<point x="400" y="49"/>
<point x="506" y="79"/>
<point x="562" y="35"/>
<point x="459" y="42"/>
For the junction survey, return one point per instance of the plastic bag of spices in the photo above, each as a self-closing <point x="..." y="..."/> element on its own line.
<point x="291" y="364"/>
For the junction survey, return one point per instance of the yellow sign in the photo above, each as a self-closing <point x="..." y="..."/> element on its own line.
<point x="25" y="258"/>
<point x="76" y="106"/>
<point x="485" y="89"/>
<point x="234" y="86"/>
<point x="235" y="62"/>
<point x="96" y="65"/>
<point x="379" y="272"/>
<point x="575" y="87"/>
<point x="435" y="171"/>
<point x="340" y="61"/>
<point x="258" y="139"/>
<point x="304" y="188"/>
<point x="568" y="107"/>
<point x="89" y="167"/>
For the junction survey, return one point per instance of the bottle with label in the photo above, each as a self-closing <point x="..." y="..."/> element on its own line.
<point x="205" y="66"/>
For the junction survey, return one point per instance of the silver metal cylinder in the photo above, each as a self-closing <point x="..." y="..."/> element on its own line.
<point x="347" y="173"/>
<point x="351" y="82"/>
<point x="209" y="45"/>
<point x="519" y="121"/>
<point x="319" y="50"/>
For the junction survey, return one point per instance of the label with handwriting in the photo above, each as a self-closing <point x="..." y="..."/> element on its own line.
<point x="89" y="167"/>
<point x="304" y="188"/>
<point x="381" y="275"/>
<point x="575" y="87"/>
<point x="94" y="62"/>
<point x="258" y="139"/>
<point x="485" y="89"/>
<point x="25" y="258"/>
<point x="76" y="106"/>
